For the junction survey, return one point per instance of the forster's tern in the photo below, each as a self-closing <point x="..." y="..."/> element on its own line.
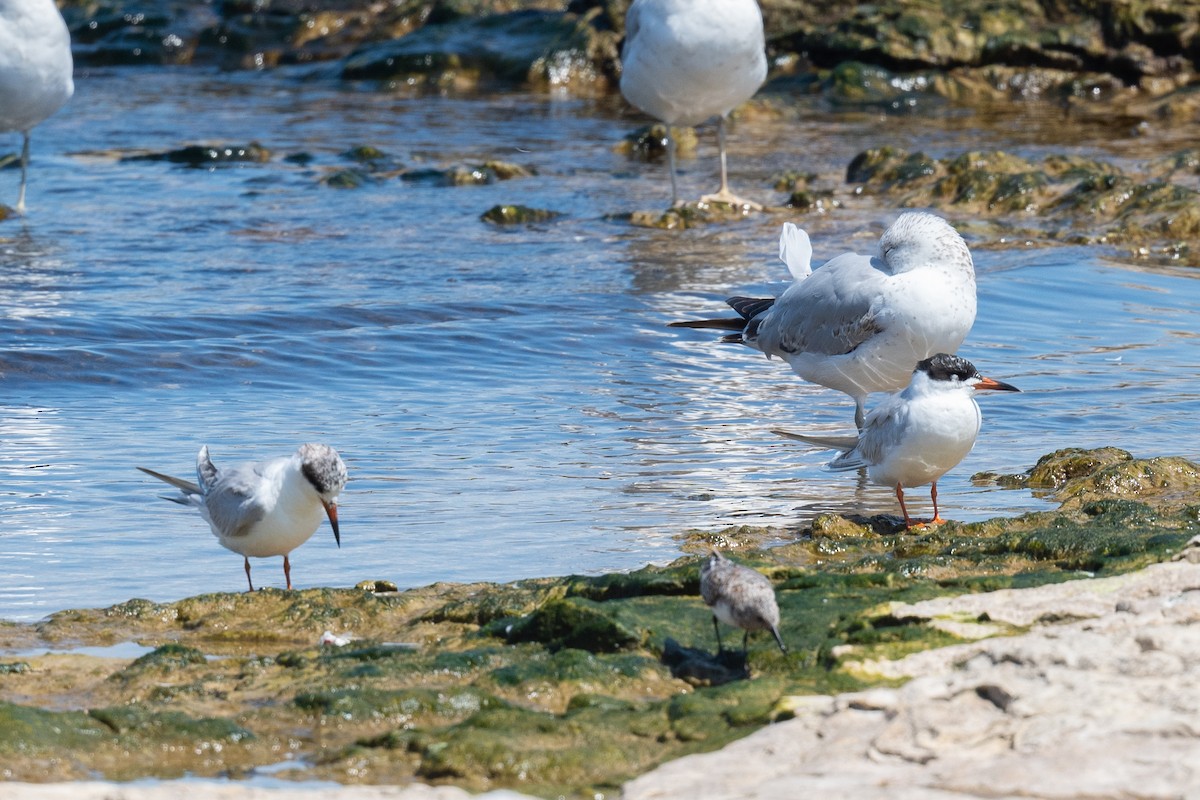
<point x="268" y="508"/>
<point x="35" y="70"/>
<point x="739" y="596"/>
<point x="685" y="61"/>
<point x="916" y="436"/>
<point x="858" y="323"/>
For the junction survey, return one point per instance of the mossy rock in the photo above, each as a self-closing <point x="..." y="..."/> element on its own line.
<point x="573" y="622"/>
<point x="518" y="215"/>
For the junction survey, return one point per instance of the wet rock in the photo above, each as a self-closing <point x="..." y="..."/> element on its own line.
<point x="575" y="623"/>
<point x="198" y="155"/>
<point x="649" y="143"/>
<point x="518" y="215"/>
<point x="464" y="53"/>
<point x="488" y="172"/>
<point x="1061" y="198"/>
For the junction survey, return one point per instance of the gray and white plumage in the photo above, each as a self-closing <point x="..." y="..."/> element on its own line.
<point x="35" y="70"/>
<point x="266" y="508"/>
<point x="739" y="596"/>
<point x="916" y="436"/>
<point x="859" y="323"/>
<point x="685" y="61"/>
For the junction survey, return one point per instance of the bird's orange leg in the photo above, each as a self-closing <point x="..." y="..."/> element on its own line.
<point x="937" y="518"/>
<point x="287" y="572"/>
<point x="247" y="560"/>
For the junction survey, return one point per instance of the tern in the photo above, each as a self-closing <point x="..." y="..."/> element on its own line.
<point x="685" y="61"/>
<point x="858" y="323"/>
<point x="918" y="435"/>
<point x="739" y="596"/>
<point x="35" y="70"/>
<point x="268" y="508"/>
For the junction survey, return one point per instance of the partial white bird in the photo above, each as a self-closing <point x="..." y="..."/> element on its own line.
<point x="858" y="323"/>
<point x="268" y="508"/>
<point x="739" y="596"/>
<point x="795" y="250"/>
<point x="685" y="61"/>
<point x="35" y="70"/>
<point x="918" y="435"/>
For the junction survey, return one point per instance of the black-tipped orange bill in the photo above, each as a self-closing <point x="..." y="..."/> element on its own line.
<point x="995" y="386"/>
<point x="331" y="512"/>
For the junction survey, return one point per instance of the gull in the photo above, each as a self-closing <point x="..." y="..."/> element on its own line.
<point x="858" y="323"/>
<point x="685" y="61"/>
<point x="35" y="70"/>
<point x="918" y="435"/>
<point x="268" y="508"/>
<point x="739" y="596"/>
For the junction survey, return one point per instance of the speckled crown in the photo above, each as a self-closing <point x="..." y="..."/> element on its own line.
<point x="943" y="367"/>
<point x="323" y="467"/>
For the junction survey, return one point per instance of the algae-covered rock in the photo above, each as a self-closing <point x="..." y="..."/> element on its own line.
<point x="518" y="215"/>
<point x="463" y="52"/>
<point x="649" y="143"/>
<point x="513" y="685"/>
<point x="573" y="622"/>
<point x="1061" y="198"/>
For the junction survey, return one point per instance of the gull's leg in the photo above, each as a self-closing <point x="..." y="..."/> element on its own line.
<point x="287" y="571"/>
<point x="247" y="560"/>
<point x="671" y="167"/>
<point x="24" y="173"/>
<point x="900" y="496"/>
<point x="724" y="195"/>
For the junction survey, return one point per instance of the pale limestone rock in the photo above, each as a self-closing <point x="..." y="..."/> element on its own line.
<point x="1099" y="699"/>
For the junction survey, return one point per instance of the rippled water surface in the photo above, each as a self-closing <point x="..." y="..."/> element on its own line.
<point x="509" y="401"/>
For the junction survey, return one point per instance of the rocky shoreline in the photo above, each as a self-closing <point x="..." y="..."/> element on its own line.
<point x="575" y="686"/>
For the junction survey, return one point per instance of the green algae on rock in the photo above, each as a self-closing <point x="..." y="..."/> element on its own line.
<point x="518" y="215"/>
<point x="1068" y="199"/>
<point x="198" y="155"/>
<point x="552" y="686"/>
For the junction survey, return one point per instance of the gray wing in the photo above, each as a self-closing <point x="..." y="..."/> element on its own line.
<point x="830" y="312"/>
<point x="231" y="501"/>
<point x="850" y="457"/>
<point x="190" y="491"/>
<point x="882" y="431"/>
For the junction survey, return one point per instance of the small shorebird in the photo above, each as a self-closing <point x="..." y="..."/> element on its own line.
<point x="918" y="435"/>
<point x="858" y="323"/>
<point x="685" y="61"/>
<point x="739" y="596"/>
<point x="268" y="508"/>
<point x="35" y="70"/>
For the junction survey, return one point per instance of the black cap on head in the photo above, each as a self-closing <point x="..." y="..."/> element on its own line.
<point x="943" y="367"/>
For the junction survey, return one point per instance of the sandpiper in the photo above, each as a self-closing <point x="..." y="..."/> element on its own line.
<point x="739" y="596"/>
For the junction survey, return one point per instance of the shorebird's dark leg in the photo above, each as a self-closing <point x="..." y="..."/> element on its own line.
<point x="745" y="643"/>
<point x="717" y="630"/>
<point x="287" y="571"/>
<point x="247" y="560"/>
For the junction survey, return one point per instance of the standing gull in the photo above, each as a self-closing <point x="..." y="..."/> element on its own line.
<point x="35" y="70"/>
<point x="268" y="508"/>
<point x="918" y="435"/>
<point x="858" y="323"/>
<point x="685" y="61"/>
<point x="739" y="596"/>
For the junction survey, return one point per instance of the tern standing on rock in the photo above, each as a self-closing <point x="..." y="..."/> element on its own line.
<point x="858" y="323"/>
<point x="739" y="596"/>
<point x="35" y="70"/>
<point x="685" y="61"/>
<point x="918" y="435"/>
<point x="267" y="508"/>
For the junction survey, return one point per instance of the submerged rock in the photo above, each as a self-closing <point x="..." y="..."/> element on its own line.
<point x="199" y="155"/>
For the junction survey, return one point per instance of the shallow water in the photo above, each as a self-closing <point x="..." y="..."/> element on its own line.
<point x="509" y="401"/>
